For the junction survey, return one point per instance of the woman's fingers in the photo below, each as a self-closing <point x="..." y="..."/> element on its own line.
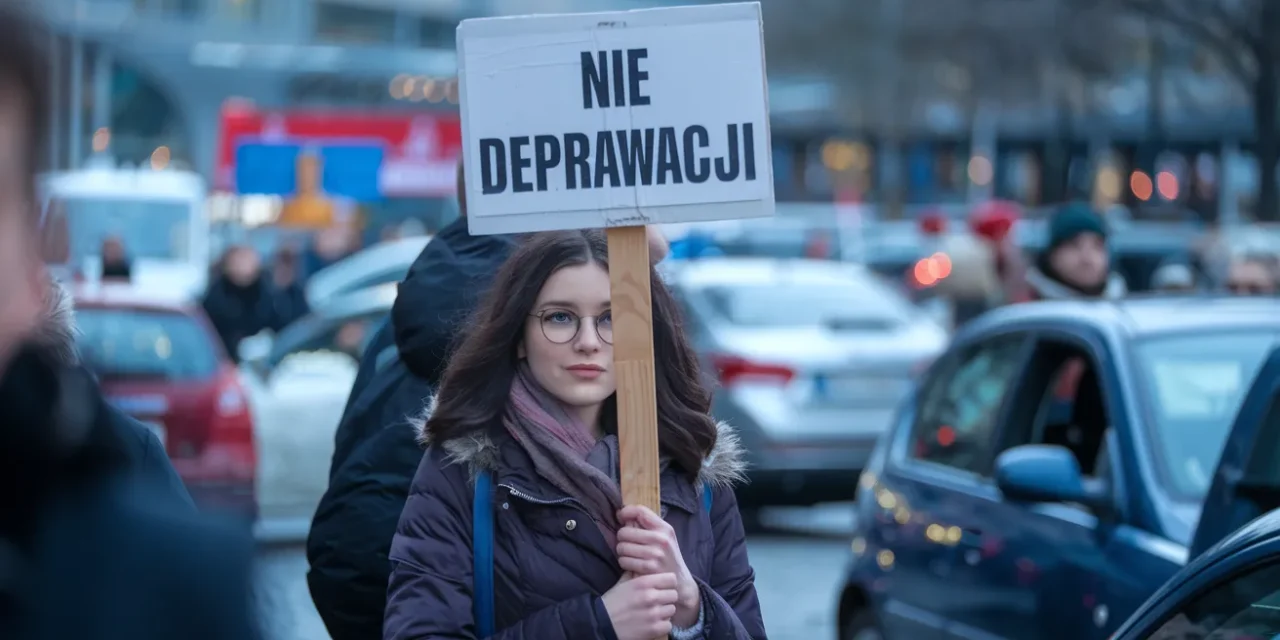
<point x="641" y="515"/>
<point x="640" y="567"/>
<point x="640" y="536"/>
<point x="639" y="551"/>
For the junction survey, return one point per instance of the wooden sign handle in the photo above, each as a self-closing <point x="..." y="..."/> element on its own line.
<point x="632" y="306"/>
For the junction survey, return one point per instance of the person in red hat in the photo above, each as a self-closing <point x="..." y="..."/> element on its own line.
<point x="993" y="223"/>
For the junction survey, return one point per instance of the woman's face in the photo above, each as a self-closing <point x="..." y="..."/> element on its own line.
<point x="568" y="337"/>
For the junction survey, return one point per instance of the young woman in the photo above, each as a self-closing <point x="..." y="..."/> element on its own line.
<point x="528" y="399"/>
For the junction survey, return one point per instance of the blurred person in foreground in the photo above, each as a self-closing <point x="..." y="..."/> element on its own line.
<point x="375" y="449"/>
<point x="1251" y="275"/>
<point x="1075" y="263"/>
<point x="239" y="300"/>
<point x="86" y="557"/>
<point x="148" y="463"/>
<point x="529" y="398"/>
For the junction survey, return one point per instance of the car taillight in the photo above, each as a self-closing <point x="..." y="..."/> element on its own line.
<point x="231" y="451"/>
<point x="734" y="369"/>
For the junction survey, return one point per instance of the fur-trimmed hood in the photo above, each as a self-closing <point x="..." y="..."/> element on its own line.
<point x="724" y="468"/>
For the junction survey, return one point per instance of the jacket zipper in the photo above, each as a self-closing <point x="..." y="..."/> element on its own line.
<point x="528" y="498"/>
<point x="569" y="501"/>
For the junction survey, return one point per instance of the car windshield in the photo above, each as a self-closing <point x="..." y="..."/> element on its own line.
<point x="843" y="305"/>
<point x="153" y="229"/>
<point x="124" y="343"/>
<point x="1194" y="387"/>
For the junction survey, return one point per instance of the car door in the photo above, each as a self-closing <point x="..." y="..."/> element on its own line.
<point x="1032" y="569"/>
<point x="1246" y="483"/>
<point x="1233" y="594"/>
<point x="930" y="470"/>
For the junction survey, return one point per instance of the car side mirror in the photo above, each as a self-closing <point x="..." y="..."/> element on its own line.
<point x="1048" y="473"/>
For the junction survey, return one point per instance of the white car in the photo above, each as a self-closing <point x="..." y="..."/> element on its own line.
<point x="299" y="381"/>
<point x="383" y="263"/>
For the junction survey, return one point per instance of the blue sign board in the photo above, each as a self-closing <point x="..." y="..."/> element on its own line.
<point x="267" y="169"/>
<point x="352" y="171"/>
<point x="349" y="170"/>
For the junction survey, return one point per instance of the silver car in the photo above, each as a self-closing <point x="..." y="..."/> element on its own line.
<point x="812" y="357"/>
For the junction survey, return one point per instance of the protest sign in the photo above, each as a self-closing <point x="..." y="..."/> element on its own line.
<point x="617" y="120"/>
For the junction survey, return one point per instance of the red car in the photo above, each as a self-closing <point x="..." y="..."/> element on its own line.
<point x="159" y="360"/>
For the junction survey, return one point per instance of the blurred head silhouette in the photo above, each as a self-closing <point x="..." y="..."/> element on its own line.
<point x="24" y="109"/>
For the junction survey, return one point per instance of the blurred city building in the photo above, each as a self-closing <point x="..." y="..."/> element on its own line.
<point x="903" y="102"/>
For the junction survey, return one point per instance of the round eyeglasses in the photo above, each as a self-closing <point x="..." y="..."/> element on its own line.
<point x="561" y="327"/>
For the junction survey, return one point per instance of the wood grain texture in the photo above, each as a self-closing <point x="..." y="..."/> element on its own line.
<point x="632" y="306"/>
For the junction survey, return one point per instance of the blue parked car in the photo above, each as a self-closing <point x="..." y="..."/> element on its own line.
<point x="1048" y="474"/>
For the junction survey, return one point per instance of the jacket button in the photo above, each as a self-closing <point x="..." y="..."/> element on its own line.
<point x="506" y="505"/>
<point x="571" y="525"/>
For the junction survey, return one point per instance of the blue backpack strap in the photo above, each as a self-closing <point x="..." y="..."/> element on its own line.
<point x="482" y="554"/>
<point x="706" y="497"/>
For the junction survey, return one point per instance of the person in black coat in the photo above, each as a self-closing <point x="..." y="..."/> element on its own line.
<point x="148" y="463"/>
<point x="375" y="453"/>
<point x="239" y="301"/>
<point x="86" y="552"/>
<point x="375" y="448"/>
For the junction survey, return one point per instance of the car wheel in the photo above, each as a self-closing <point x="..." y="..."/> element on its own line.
<point x="862" y="626"/>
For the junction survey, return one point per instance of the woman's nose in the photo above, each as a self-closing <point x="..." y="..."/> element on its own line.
<point x="588" y="338"/>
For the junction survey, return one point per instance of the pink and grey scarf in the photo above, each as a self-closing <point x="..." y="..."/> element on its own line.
<point x="564" y="452"/>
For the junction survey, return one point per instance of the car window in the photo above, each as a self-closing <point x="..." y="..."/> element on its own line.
<point x="1243" y="608"/>
<point x="957" y="420"/>
<point x="1194" y="387"/>
<point x="350" y="336"/>
<point x="118" y="343"/>
<point x="849" y="305"/>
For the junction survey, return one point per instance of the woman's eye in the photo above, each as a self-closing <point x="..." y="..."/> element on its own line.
<point x="605" y="319"/>
<point x="558" y="317"/>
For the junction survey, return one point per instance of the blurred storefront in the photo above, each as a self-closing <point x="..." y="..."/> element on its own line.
<point x="147" y="82"/>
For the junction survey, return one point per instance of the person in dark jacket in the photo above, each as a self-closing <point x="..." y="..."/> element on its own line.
<point x="1075" y="262"/>
<point x="83" y="555"/>
<point x="375" y="454"/>
<point x="529" y="398"/>
<point x="288" y="296"/>
<point x="115" y="260"/>
<point x="239" y="301"/>
<point x="148" y="463"/>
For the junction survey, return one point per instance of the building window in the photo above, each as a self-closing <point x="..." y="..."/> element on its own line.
<point x="355" y="25"/>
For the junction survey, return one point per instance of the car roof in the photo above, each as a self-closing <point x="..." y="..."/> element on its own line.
<point x="112" y="295"/>
<point x="1141" y="315"/>
<point x="360" y="302"/>
<point x="336" y="278"/>
<point x="730" y="271"/>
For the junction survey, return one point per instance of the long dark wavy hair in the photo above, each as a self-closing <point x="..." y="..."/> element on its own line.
<point x="474" y="390"/>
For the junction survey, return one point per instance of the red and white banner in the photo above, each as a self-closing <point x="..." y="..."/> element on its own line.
<point x="422" y="149"/>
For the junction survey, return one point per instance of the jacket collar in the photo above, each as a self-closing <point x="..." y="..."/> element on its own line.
<point x="1050" y="289"/>
<point x="725" y="467"/>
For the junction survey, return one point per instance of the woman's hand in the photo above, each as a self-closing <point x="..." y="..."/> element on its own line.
<point x="640" y="607"/>
<point x="647" y="545"/>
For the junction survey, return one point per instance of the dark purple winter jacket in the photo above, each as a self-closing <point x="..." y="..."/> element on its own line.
<point x="551" y="564"/>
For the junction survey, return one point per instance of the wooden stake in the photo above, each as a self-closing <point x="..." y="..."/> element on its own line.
<point x="632" y="305"/>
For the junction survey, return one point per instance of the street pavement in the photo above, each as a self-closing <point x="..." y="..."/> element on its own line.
<point x="799" y="560"/>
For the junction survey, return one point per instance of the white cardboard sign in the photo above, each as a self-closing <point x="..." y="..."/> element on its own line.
<point x="615" y="119"/>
